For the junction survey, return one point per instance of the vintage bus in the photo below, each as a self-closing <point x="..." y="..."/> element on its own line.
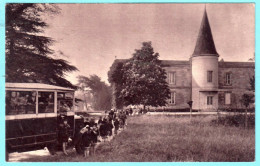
<point x="33" y="113"/>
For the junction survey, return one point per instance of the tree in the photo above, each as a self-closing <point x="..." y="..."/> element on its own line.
<point x="100" y="90"/>
<point x="116" y="79"/>
<point x="246" y="100"/>
<point x="28" y="56"/>
<point x="252" y="83"/>
<point x="249" y="98"/>
<point x="144" y="79"/>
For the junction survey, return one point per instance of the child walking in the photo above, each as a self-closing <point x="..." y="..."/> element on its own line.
<point x="64" y="135"/>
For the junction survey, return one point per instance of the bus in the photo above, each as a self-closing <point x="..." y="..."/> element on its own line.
<point x="33" y="114"/>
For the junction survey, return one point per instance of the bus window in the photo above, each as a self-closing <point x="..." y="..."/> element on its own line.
<point x="65" y="101"/>
<point x="46" y="102"/>
<point x="20" y="102"/>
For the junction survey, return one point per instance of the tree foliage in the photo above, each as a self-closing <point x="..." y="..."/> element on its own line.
<point x="142" y="79"/>
<point x="247" y="99"/>
<point x="252" y="83"/>
<point x="116" y="78"/>
<point x="100" y="90"/>
<point x="28" y="53"/>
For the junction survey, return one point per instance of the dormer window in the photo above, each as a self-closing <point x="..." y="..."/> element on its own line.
<point x="209" y="76"/>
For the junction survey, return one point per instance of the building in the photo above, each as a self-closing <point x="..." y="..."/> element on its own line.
<point x="211" y="84"/>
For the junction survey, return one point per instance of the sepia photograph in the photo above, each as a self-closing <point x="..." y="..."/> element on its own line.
<point x="130" y="82"/>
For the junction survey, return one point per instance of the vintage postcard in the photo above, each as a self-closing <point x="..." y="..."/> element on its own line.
<point x="130" y="82"/>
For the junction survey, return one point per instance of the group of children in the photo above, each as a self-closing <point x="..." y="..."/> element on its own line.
<point x="95" y="131"/>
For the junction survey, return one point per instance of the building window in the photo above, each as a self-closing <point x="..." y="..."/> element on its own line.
<point x="20" y="102"/>
<point x="228" y="78"/>
<point x="227" y="98"/>
<point x="172" y="99"/>
<point x="209" y="76"/>
<point x="65" y="101"/>
<point x="46" y="102"/>
<point x="209" y="100"/>
<point x="171" y="77"/>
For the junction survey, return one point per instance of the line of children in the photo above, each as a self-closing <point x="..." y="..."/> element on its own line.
<point x="91" y="131"/>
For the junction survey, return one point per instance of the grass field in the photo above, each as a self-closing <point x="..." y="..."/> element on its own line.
<point x="171" y="138"/>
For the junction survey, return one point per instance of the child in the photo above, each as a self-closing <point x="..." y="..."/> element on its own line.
<point x="109" y="128"/>
<point x="116" y="124"/>
<point x="64" y="135"/>
<point x="86" y="138"/>
<point x="92" y="122"/>
<point x="100" y="120"/>
<point x="103" y="130"/>
<point x="86" y="122"/>
<point x="94" y="138"/>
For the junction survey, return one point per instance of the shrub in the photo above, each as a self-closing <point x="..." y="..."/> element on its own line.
<point x="235" y="120"/>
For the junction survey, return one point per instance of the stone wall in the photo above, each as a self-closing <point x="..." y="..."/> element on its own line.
<point x="240" y="77"/>
<point x="182" y="86"/>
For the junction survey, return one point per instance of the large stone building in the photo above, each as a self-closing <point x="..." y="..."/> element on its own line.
<point x="211" y="84"/>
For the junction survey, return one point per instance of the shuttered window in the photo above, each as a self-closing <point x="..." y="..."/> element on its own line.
<point x="209" y="100"/>
<point x="227" y="98"/>
<point x="209" y="76"/>
<point x="171" y="78"/>
<point x="228" y="79"/>
<point x="172" y="99"/>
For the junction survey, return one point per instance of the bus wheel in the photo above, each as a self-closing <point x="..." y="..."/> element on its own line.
<point x="51" y="149"/>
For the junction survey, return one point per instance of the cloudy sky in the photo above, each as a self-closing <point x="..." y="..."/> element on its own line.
<point x="91" y="36"/>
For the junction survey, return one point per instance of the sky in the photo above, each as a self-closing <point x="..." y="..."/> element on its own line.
<point x="91" y="36"/>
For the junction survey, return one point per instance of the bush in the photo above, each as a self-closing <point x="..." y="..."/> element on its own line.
<point x="235" y="120"/>
<point x="171" y="110"/>
<point x="252" y="110"/>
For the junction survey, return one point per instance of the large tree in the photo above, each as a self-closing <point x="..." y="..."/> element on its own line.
<point x="116" y="79"/>
<point x="100" y="90"/>
<point x="28" y="54"/>
<point x="144" y="80"/>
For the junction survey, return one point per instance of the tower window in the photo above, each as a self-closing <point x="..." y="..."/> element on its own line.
<point x="171" y="78"/>
<point x="172" y="99"/>
<point x="209" y="76"/>
<point x="228" y="79"/>
<point x="209" y="100"/>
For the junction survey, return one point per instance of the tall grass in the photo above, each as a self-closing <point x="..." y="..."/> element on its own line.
<point x="171" y="138"/>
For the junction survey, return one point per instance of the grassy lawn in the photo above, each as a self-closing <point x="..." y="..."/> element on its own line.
<point x="171" y="138"/>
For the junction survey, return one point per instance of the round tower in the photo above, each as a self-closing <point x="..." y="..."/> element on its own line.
<point x="204" y="67"/>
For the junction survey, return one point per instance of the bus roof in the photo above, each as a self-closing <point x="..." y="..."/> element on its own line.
<point x="35" y="86"/>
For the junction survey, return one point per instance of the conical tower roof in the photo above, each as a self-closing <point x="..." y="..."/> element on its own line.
<point x="205" y="44"/>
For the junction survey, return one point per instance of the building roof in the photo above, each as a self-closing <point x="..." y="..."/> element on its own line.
<point x="169" y="63"/>
<point x="166" y="63"/>
<point x="205" y="44"/>
<point x="37" y="86"/>
<point x="236" y="64"/>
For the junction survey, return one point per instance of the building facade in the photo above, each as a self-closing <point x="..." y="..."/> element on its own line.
<point x="210" y="83"/>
